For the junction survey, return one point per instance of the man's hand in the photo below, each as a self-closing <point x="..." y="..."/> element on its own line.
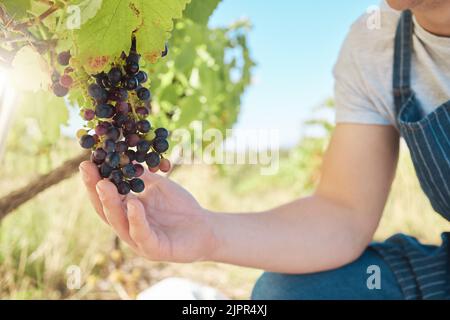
<point x="164" y="223"/>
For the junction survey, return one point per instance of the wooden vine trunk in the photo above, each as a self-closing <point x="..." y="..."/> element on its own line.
<point x="18" y="197"/>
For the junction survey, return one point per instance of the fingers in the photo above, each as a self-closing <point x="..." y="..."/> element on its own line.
<point x="141" y="233"/>
<point x="114" y="210"/>
<point x="151" y="178"/>
<point x="91" y="177"/>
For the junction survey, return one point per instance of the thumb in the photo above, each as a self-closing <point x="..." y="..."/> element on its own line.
<point x="140" y="231"/>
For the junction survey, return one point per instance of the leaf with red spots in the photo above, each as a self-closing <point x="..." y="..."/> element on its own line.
<point x="104" y="37"/>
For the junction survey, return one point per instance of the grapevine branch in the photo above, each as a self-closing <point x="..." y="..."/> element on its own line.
<point x="36" y="20"/>
<point x="14" y="32"/>
<point x="18" y="197"/>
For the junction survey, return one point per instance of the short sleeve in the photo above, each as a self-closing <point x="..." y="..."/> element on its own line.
<point x="352" y="98"/>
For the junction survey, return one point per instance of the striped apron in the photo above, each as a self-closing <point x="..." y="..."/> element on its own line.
<point x="423" y="272"/>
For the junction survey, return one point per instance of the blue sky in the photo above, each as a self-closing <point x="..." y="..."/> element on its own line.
<point x="295" y="44"/>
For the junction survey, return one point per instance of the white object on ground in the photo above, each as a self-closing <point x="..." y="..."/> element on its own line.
<point x="180" y="289"/>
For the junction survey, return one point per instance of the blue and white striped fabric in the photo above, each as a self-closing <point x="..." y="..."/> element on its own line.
<point x="423" y="272"/>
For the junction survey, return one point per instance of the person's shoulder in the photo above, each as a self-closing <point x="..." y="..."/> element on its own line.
<point x="373" y="33"/>
<point x="369" y="45"/>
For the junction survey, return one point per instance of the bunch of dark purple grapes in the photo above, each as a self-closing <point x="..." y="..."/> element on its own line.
<point x="124" y="139"/>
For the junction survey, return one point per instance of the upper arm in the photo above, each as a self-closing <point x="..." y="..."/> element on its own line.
<point x="359" y="168"/>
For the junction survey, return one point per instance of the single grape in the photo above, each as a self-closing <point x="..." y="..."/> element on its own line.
<point x="59" y="90"/>
<point x="119" y="120"/>
<point x="129" y="171"/>
<point x="94" y="90"/>
<point x="141" y="157"/>
<point x="123" y="188"/>
<point x="143" y="94"/>
<point x="109" y="145"/>
<point x="64" y="58"/>
<point x="131" y="154"/>
<point x="123" y="107"/>
<point x="143" y="126"/>
<point x="121" y="146"/>
<point x="165" y="165"/>
<point x="113" y="133"/>
<point x="87" y="142"/>
<point x="113" y="159"/>
<point x="160" y="145"/>
<point x="130" y="126"/>
<point x="141" y="77"/>
<point x="139" y="170"/>
<point x="150" y="136"/>
<point x="104" y="111"/>
<point x="142" y="111"/>
<point x="143" y="146"/>
<point x="101" y="129"/>
<point x="124" y="160"/>
<point x="130" y="83"/>
<point x="132" y="68"/>
<point x="97" y="93"/>
<point x="137" y="185"/>
<point x="118" y="94"/>
<point x="132" y="140"/>
<point x="81" y="133"/>
<point x="105" y="170"/>
<point x="116" y="176"/>
<point x="162" y="133"/>
<point x="89" y="114"/>
<point x="153" y="159"/>
<point x="99" y="156"/>
<point x="114" y="76"/>
<point x="66" y="81"/>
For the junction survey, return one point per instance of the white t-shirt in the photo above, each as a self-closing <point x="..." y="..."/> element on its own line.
<point x="363" y="73"/>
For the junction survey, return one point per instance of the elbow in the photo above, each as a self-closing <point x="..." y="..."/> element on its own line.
<point x="359" y="236"/>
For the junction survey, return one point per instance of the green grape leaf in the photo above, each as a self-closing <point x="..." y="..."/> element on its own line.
<point x="17" y="8"/>
<point x="156" y="25"/>
<point x="200" y="11"/>
<point x="169" y="94"/>
<point x="104" y="37"/>
<point x="190" y="110"/>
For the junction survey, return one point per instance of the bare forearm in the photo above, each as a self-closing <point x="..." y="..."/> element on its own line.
<point x="308" y="235"/>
